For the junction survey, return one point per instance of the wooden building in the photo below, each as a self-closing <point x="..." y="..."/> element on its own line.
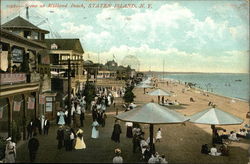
<point x="19" y="77"/>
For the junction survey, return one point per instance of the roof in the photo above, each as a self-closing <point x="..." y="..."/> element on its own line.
<point x="23" y="40"/>
<point x="21" y="23"/>
<point x="65" y="44"/>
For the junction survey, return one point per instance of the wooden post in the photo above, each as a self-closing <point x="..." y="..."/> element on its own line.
<point x="69" y="92"/>
<point x="10" y="118"/>
<point x="24" y="118"/>
<point x="37" y="112"/>
<point x="151" y="135"/>
<point x="116" y="111"/>
<point x="159" y="98"/>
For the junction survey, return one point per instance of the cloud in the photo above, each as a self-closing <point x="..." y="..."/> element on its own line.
<point x="71" y="28"/>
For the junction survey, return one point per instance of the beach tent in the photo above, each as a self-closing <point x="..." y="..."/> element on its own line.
<point x="151" y="114"/>
<point x="214" y="116"/>
<point x="159" y="92"/>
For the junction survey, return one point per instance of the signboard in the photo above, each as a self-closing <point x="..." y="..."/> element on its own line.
<point x="49" y="99"/>
<point x="31" y="103"/>
<point x="17" y="106"/>
<point x="11" y="78"/>
<point x="17" y="55"/>
<point x="41" y="99"/>
<point x="48" y="106"/>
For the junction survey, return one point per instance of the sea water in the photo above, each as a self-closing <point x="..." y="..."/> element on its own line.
<point x="225" y="84"/>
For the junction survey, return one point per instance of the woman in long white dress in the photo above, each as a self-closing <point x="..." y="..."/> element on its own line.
<point x="80" y="144"/>
<point x="95" y="131"/>
<point x="61" y="118"/>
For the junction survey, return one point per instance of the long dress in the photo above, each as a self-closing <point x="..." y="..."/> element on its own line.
<point x="129" y="133"/>
<point x="61" y="118"/>
<point x="80" y="144"/>
<point x="116" y="133"/>
<point x="10" y="152"/>
<point x="95" y="131"/>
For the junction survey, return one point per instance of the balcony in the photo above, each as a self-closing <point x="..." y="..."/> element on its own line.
<point x="12" y="78"/>
<point x="18" y="78"/>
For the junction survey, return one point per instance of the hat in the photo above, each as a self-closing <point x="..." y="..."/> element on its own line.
<point x="8" y="139"/>
<point x="118" y="151"/>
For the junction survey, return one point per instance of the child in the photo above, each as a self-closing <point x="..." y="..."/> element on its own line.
<point x="158" y="135"/>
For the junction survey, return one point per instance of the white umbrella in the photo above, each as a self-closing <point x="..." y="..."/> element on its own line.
<point x="214" y="116"/>
<point x="159" y="92"/>
<point x="144" y="86"/>
<point x="152" y="113"/>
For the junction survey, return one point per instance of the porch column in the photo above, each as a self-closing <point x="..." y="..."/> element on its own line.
<point x="37" y="113"/>
<point x="10" y="118"/>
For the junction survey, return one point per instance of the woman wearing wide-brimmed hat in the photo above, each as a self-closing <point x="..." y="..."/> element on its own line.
<point x="10" y="151"/>
<point x="118" y="158"/>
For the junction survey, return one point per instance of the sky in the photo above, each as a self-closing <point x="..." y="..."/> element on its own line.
<point x="173" y="36"/>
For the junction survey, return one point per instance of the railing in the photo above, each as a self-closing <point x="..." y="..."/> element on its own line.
<point x="12" y="78"/>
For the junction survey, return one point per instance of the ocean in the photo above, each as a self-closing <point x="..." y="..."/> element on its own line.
<point x="225" y="84"/>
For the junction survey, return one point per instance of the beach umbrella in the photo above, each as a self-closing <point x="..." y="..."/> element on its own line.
<point x="144" y="86"/>
<point x="214" y="116"/>
<point x="159" y="92"/>
<point x="152" y="114"/>
<point x="147" y="81"/>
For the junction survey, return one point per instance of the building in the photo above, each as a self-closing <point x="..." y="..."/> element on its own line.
<point x="65" y="53"/>
<point x="23" y="54"/>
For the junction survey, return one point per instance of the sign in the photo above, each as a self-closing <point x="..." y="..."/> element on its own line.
<point x="41" y="99"/>
<point x="17" y="55"/>
<point x="49" y="106"/>
<point x="31" y="103"/>
<point x="49" y="99"/>
<point x="11" y="78"/>
<point x="17" y="105"/>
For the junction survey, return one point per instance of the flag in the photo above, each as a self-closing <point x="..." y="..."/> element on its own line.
<point x="41" y="99"/>
<point x="17" y="106"/>
<point x="1" y="112"/>
<point x="31" y="103"/>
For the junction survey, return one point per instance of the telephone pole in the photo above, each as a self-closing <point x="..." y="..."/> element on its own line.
<point x="69" y="91"/>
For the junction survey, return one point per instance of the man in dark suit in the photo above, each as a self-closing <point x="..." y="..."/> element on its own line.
<point x="33" y="146"/>
<point x="30" y="129"/>
<point x="46" y="126"/>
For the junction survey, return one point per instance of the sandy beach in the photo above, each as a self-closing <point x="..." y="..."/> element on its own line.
<point x="182" y="143"/>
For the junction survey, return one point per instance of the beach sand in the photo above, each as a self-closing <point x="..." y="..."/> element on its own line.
<point x="182" y="143"/>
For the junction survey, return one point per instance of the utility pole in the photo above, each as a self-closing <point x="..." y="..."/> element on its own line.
<point x="69" y="92"/>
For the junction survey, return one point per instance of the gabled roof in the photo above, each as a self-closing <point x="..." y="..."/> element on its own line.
<point x="65" y="44"/>
<point x="21" y="23"/>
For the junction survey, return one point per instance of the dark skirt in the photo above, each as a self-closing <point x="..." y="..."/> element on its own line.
<point x="129" y="132"/>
